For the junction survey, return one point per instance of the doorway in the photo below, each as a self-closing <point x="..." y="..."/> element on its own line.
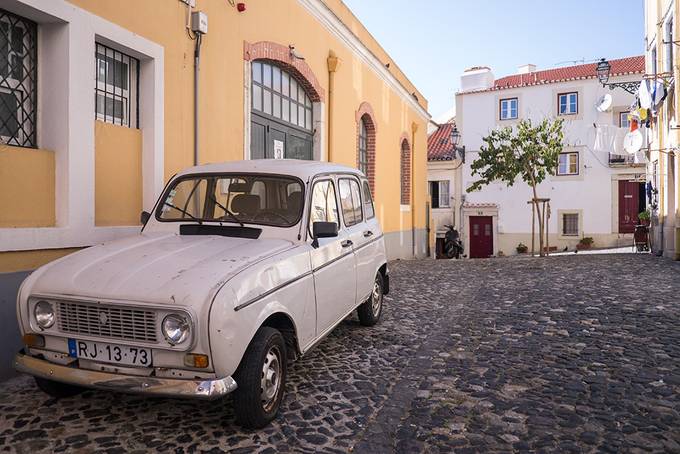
<point x="632" y="201"/>
<point x="481" y="237"/>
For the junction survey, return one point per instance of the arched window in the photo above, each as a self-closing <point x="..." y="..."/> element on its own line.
<point x="405" y="173"/>
<point x="366" y="143"/>
<point x="281" y="115"/>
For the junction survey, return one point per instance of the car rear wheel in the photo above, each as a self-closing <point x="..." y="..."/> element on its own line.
<point x="370" y="311"/>
<point x="261" y="379"/>
<point x="57" y="389"/>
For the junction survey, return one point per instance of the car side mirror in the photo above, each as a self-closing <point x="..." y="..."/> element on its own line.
<point x="323" y="230"/>
<point x="144" y="217"/>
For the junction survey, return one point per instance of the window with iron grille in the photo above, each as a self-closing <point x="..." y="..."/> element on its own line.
<point x="18" y="80"/>
<point x="363" y="147"/>
<point x="570" y="224"/>
<point x="116" y="89"/>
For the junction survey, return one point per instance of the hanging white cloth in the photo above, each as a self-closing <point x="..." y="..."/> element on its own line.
<point x="618" y="141"/>
<point x="604" y="138"/>
<point x="644" y="95"/>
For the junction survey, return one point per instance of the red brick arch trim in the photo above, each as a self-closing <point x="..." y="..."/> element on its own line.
<point x="365" y="114"/>
<point x="280" y="54"/>
<point x="405" y="168"/>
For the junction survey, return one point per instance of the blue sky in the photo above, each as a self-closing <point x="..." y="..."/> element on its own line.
<point x="433" y="41"/>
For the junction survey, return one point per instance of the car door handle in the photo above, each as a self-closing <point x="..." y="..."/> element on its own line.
<point x="368" y="233"/>
<point x="346" y="243"/>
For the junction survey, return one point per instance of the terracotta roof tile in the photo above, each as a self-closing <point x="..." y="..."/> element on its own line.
<point x="620" y="67"/>
<point x="439" y="146"/>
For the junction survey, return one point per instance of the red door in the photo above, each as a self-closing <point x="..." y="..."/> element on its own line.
<point x="481" y="237"/>
<point x="629" y="204"/>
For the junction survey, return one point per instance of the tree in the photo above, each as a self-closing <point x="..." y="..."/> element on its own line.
<point x="526" y="151"/>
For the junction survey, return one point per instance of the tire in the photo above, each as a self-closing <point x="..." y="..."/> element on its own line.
<point x="371" y="310"/>
<point x="258" y="398"/>
<point x="57" y="389"/>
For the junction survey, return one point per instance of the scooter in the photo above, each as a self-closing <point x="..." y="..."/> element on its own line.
<point x="453" y="247"/>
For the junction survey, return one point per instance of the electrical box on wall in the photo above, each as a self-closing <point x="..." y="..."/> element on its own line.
<point x="199" y="22"/>
<point x="191" y="3"/>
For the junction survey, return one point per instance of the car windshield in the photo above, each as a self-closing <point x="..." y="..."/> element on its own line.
<point x="239" y="199"/>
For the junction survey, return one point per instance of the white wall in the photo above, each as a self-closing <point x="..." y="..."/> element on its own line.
<point x="592" y="191"/>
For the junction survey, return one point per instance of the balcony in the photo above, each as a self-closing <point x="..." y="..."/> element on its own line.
<point x="619" y="160"/>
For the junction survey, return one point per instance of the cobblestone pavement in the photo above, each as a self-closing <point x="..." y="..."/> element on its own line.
<point x="567" y="354"/>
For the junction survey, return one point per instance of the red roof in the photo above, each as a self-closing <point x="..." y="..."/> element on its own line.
<point x="620" y="67"/>
<point x="439" y="146"/>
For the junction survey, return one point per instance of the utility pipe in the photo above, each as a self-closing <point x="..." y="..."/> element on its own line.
<point x="332" y="61"/>
<point x="414" y="129"/>
<point x="197" y="64"/>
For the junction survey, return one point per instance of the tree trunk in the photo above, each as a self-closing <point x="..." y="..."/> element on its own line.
<point x="540" y="221"/>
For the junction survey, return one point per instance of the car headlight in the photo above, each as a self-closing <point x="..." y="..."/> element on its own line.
<point x="175" y="328"/>
<point x="44" y="314"/>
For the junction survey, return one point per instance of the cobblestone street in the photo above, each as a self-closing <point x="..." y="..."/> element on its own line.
<point x="567" y="354"/>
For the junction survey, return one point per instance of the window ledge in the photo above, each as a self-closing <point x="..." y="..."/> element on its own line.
<point x="404" y="208"/>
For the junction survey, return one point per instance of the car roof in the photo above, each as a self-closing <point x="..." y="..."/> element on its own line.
<point x="302" y="169"/>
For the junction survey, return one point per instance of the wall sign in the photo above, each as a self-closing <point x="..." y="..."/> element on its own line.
<point x="278" y="149"/>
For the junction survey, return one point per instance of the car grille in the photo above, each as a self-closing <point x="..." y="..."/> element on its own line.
<point x="118" y="322"/>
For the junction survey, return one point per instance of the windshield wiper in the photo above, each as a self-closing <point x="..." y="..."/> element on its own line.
<point x="184" y="212"/>
<point x="226" y="210"/>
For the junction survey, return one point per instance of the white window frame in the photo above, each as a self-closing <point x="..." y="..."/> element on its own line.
<point x="624" y="122"/>
<point x="568" y="155"/>
<point x="506" y="106"/>
<point x="668" y="45"/>
<point x="568" y="97"/>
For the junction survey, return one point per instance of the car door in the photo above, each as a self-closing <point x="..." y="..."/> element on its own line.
<point x="332" y="259"/>
<point x="353" y="220"/>
<point x="368" y="250"/>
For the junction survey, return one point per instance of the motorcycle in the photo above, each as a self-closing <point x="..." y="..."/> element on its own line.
<point x="453" y="247"/>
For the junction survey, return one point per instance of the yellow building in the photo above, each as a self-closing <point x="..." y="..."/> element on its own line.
<point x="661" y="48"/>
<point x="98" y="111"/>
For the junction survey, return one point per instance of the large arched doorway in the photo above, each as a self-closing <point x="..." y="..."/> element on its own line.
<point x="281" y="114"/>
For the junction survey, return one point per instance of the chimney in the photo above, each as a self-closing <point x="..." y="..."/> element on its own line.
<point x="526" y="69"/>
<point x="476" y="78"/>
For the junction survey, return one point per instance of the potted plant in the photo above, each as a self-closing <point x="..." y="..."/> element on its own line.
<point x="585" y="243"/>
<point x="522" y="248"/>
<point x="644" y="217"/>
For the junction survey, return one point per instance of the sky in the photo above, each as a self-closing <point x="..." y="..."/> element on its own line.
<point x="434" y="41"/>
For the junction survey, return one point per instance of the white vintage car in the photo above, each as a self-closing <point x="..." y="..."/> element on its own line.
<point x="241" y="267"/>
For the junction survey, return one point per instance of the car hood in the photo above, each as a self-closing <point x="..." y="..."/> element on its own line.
<point x="154" y="268"/>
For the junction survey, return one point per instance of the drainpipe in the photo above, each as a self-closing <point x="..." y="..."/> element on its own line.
<point x="197" y="64"/>
<point x="332" y="61"/>
<point x="414" y="128"/>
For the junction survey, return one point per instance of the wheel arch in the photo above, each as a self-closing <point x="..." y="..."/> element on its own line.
<point x="386" y="278"/>
<point x="282" y="322"/>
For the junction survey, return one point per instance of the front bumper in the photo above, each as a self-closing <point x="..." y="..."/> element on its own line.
<point x="169" y="387"/>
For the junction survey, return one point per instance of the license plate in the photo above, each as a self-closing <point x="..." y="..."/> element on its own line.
<point x="109" y="353"/>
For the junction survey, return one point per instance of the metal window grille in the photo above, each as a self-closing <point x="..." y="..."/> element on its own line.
<point x="18" y="80"/>
<point x="276" y="93"/>
<point x="116" y="97"/>
<point x="570" y="224"/>
<point x="363" y="147"/>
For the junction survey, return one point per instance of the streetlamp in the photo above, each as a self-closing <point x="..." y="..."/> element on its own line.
<point x="455" y="140"/>
<point x="604" y="71"/>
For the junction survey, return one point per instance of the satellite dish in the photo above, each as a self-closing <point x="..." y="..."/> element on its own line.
<point x="604" y="103"/>
<point x="633" y="141"/>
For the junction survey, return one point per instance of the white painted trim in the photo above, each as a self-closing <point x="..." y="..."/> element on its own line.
<point x="405" y="208"/>
<point x="66" y="120"/>
<point x="333" y="24"/>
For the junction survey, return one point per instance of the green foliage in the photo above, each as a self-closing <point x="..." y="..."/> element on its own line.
<point x="644" y="216"/>
<point x="522" y="248"/>
<point x="526" y="151"/>
<point x="587" y="241"/>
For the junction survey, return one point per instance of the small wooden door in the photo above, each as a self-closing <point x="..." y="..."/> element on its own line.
<point x="481" y="237"/>
<point x="629" y="204"/>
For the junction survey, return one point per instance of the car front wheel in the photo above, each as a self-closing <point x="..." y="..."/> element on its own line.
<point x="370" y="311"/>
<point x="261" y="379"/>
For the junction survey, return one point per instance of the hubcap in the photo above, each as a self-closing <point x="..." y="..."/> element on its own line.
<point x="271" y="378"/>
<point x="376" y="298"/>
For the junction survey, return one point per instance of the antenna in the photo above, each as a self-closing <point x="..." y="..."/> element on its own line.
<point x="574" y="62"/>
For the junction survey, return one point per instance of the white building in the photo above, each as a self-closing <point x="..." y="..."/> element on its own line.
<point x="598" y="190"/>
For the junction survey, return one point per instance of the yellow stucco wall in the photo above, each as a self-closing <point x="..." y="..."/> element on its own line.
<point x="118" y="174"/>
<point x="26" y="187"/>
<point x="222" y="86"/>
<point x="28" y="260"/>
